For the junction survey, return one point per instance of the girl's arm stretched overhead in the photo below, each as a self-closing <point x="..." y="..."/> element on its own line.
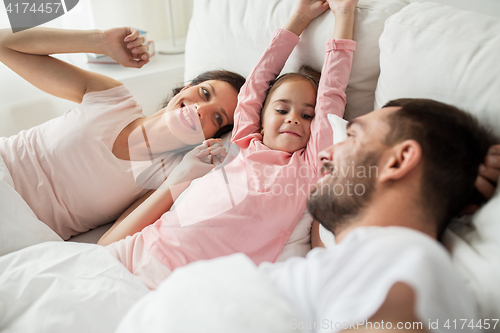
<point x="253" y="93"/>
<point x="28" y="54"/>
<point x="334" y="77"/>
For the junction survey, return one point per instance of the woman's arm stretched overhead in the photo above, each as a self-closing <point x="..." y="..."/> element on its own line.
<point x="28" y="54"/>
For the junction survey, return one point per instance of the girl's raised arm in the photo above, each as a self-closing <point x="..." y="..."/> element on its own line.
<point x="28" y="54"/>
<point x="253" y="93"/>
<point x="334" y="78"/>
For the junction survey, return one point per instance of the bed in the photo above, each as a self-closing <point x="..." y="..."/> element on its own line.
<point x="405" y="49"/>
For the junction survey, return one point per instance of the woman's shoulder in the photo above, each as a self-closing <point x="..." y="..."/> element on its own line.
<point x="118" y="91"/>
<point x="113" y="102"/>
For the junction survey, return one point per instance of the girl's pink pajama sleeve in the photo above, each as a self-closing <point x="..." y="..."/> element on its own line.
<point x="253" y="93"/>
<point x="331" y="96"/>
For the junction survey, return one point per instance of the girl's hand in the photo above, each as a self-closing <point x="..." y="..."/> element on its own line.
<point x="198" y="162"/>
<point x="126" y="47"/>
<point x="306" y="11"/>
<point x="311" y="9"/>
<point x="338" y="6"/>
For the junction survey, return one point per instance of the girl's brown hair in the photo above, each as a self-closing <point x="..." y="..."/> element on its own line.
<point x="305" y="72"/>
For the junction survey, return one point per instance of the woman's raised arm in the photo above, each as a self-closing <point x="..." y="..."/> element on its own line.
<point x="28" y="54"/>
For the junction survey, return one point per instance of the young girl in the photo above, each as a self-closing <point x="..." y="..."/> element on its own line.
<point x="251" y="203"/>
<point x="75" y="171"/>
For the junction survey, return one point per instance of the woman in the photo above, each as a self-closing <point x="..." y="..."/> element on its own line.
<point x="76" y="171"/>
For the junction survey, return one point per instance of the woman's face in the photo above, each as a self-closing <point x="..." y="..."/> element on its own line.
<point x="214" y="101"/>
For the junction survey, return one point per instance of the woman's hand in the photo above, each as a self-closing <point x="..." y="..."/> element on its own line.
<point x="311" y="9"/>
<point x="198" y="162"/>
<point x="126" y="47"/>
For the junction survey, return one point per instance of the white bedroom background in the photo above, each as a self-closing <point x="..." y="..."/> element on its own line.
<point x="149" y="15"/>
<point x="23" y="106"/>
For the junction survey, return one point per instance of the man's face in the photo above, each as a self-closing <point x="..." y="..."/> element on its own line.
<point x="350" y="170"/>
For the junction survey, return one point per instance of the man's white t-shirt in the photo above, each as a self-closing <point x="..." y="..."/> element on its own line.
<point x="336" y="288"/>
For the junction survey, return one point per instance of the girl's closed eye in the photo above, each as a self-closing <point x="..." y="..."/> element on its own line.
<point x="280" y="111"/>
<point x="307" y="116"/>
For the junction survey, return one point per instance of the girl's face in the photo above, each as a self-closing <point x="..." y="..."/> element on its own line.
<point x="286" y="124"/>
<point x="214" y="102"/>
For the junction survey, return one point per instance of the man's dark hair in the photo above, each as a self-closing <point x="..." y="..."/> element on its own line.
<point x="453" y="146"/>
<point x="234" y="79"/>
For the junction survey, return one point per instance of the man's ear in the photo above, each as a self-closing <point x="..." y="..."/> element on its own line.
<point x="402" y="159"/>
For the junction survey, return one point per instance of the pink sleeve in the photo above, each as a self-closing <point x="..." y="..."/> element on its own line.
<point x="253" y="93"/>
<point x="331" y="96"/>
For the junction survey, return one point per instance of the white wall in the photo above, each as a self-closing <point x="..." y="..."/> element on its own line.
<point x="23" y="106"/>
<point x="149" y="15"/>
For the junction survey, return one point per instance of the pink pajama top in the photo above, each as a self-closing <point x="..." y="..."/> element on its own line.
<point x="253" y="204"/>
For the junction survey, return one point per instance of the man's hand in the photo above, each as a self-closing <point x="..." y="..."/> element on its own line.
<point x="489" y="171"/>
<point x="126" y="47"/>
<point x="487" y="179"/>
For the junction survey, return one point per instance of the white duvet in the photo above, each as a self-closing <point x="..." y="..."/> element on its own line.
<point x="70" y="287"/>
<point x="65" y="287"/>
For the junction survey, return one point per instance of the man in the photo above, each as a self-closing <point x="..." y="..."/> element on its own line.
<point x="387" y="193"/>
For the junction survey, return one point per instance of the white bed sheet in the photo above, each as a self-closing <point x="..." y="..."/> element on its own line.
<point x="65" y="287"/>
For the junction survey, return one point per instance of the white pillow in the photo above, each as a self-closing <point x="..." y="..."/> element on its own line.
<point x="443" y="53"/>
<point x="439" y="52"/>
<point x="229" y="34"/>
<point x="19" y="227"/>
<point x="299" y="242"/>
<point x="223" y="295"/>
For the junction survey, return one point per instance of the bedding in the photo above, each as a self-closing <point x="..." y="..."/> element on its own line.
<point x="65" y="287"/>
<point x="70" y="287"/>
<point x="224" y="295"/>
<point x="19" y="227"/>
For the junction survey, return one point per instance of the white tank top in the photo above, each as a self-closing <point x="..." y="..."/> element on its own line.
<point x="65" y="169"/>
